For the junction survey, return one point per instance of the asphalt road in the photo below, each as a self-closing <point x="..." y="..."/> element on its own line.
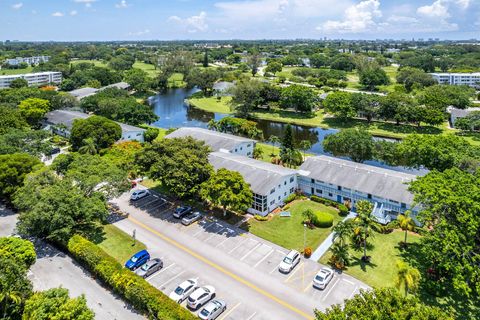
<point x="54" y="269"/>
<point x="241" y="266"/>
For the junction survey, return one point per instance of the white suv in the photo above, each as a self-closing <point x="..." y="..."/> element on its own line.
<point x="139" y="194"/>
<point x="289" y="262"/>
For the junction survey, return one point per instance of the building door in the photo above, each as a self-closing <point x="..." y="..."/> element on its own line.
<point x="339" y="198"/>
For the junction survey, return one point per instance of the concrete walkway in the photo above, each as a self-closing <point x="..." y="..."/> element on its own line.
<point x="325" y="245"/>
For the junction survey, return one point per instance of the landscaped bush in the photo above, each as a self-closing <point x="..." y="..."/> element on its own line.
<point x="290" y="198"/>
<point x="136" y="290"/>
<point x="307" y="252"/>
<point x="343" y="210"/>
<point x="260" y="218"/>
<point x="323" y="220"/>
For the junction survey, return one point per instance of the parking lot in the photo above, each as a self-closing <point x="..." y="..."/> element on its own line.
<point x="248" y="253"/>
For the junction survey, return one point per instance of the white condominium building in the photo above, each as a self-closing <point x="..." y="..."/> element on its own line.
<point x="33" y="79"/>
<point x="29" y="60"/>
<point x="468" y="79"/>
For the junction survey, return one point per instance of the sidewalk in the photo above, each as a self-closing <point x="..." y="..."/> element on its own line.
<point x="325" y="245"/>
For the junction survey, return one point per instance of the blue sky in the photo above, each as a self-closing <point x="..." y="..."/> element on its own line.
<point x="82" y="20"/>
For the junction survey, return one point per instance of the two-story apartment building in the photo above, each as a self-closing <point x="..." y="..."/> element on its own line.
<point x="348" y="182"/>
<point x="61" y="122"/>
<point x="270" y="183"/>
<point x="217" y="140"/>
<point x="34" y="79"/>
<point x="468" y="79"/>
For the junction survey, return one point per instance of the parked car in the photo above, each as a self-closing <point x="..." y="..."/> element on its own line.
<point x="289" y="262"/>
<point x="183" y="290"/>
<point x="182" y="211"/>
<point x="322" y="278"/>
<point x="191" y="218"/>
<point x="53" y="151"/>
<point x="212" y="310"/>
<point x="150" y="267"/>
<point x="139" y="194"/>
<point x="137" y="260"/>
<point x="200" y="296"/>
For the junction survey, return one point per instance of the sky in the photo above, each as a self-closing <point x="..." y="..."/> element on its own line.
<point x="98" y="20"/>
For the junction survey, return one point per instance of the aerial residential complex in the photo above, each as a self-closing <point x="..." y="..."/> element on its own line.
<point x="459" y="113"/>
<point x="33" y="79"/>
<point x="468" y="79"/>
<point x="217" y="141"/>
<point x="332" y="178"/>
<point x="29" y="60"/>
<point x="61" y="122"/>
<point x="81" y="93"/>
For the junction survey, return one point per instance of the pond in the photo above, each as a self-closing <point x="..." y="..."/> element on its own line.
<point x="175" y="113"/>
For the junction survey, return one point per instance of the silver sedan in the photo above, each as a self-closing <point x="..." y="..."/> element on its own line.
<point x="150" y="267"/>
<point x="212" y="310"/>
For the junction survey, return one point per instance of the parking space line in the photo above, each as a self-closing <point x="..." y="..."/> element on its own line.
<point x="294" y="271"/>
<point x="171" y="279"/>
<point x="230" y="311"/>
<point x="276" y="267"/>
<point x="222" y="242"/>
<point x="251" y="250"/>
<point x="264" y="257"/>
<point x="223" y="270"/>
<point x="330" y="290"/>
<point x="308" y="287"/>
<point x="348" y="281"/>
<point x="237" y="246"/>
<point x="161" y="271"/>
<point x="203" y="228"/>
<point x="253" y="315"/>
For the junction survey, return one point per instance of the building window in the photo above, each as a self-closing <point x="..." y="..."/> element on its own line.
<point x="249" y="153"/>
<point x="313" y="181"/>
<point x="291" y="190"/>
<point x="278" y="197"/>
<point x="319" y="191"/>
<point x="236" y="150"/>
<point x="272" y="202"/>
<point x="241" y="148"/>
<point x="330" y="195"/>
<point x="369" y="196"/>
<point x="285" y="193"/>
<point x="339" y="188"/>
<point x="285" y="183"/>
<point x="291" y="179"/>
<point x="272" y="191"/>
<point x="248" y="145"/>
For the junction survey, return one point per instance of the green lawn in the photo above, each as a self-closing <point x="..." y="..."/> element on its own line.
<point x="118" y="244"/>
<point x="288" y="232"/>
<point x="8" y="72"/>
<point x="212" y="104"/>
<point x="176" y="81"/>
<point x="385" y="251"/>
<point x="97" y="63"/>
<point x="147" y="67"/>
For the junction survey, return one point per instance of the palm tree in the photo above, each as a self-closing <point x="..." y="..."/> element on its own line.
<point x="257" y="153"/>
<point x="342" y="231"/>
<point x="406" y="223"/>
<point x="407" y="277"/>
<point x="88" y="147"/>
<point x="364" y="223"/>
<point x="340" y="256"/>
<point x="273" y="140"/>
<point x="304" y="146"/>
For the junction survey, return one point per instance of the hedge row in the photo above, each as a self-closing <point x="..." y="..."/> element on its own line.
<point x="343" y="210"/>
<point x="323" y="220"/>
<point x="137" y="291"/>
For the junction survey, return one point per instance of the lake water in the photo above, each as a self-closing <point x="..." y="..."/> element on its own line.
<point x="174" y="113"/>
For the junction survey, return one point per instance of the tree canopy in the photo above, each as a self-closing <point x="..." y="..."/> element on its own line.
<point x="354" y="143"/>
<point x="299" y="98"/>
<point x="103" y="131"/>
<point x="180" y="164"/>
<point x="13" y="170"/>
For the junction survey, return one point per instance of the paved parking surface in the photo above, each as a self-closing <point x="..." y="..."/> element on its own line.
<point x="239" y="252"/>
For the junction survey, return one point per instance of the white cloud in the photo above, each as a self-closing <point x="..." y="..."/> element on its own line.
<point x="193" y="23"/>
<point x="122" y="4"/>
<point x="139" y="33"/>
<point x="438" y="9"/>
<point x="17" y="6"/>
<point x="361" y="17"/>
<point x="73" y="12"/>
<point x="88" y="3"/>
<point x="58" y="14"/>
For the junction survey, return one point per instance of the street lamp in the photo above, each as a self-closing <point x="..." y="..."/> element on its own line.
<point x="304" y="236"/>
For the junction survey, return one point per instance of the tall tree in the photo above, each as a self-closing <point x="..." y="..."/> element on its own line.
<point x="11" y="118"/>
<point x="15" y="288"/>
<point x="355" y="143"/>
<point x="56" y="304"/>
<point x="372" y="77"/>
<point x="408" y="278"/>
<point x="340" y="104"/>
<point x="254" y="61"/>
<point x="287" y="141"/>
<point x="180" y="164"/>
<point x="304" y="146"/>
<point x="273" y="139"/>
<point x="33" y="110"/>
<point x="383" y="303"/>
<point x="406" y="223"/>
<point x="273" y="67"/>
<point x="299" y="98"/>
<point x="363" y="223"/>
<point x="13" y="170"/>
<point x="103" y="131"/>
<point x="228" y="190"/>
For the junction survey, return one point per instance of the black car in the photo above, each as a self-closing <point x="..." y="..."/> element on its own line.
<point x="54" y="151"/>
<point x="181" y="211"/>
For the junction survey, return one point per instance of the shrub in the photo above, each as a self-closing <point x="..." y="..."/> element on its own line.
<point x="290" y="198"/>
<point x="260" y="218"/>
<point x="343" y="210"/>
<point x="307" y="252"/>
<point x="143" y="296"/>
<point x="19" y="250"/>
<point x="323" y="220"/>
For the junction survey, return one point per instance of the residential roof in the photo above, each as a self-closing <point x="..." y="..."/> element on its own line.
<point x="67" y="117"/>
<point x="461" y="113"/>
<point x="261" y="176"/>
<point x="216" y="140"/>
<point x="223" y="85"/>
<point x="118" y="85"/>
<point x="83" y="92"/>
<point x="376" y="181"/>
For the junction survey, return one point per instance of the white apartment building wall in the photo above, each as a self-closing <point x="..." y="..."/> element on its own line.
<point x="33" y="79"/>
<point x="132" y="136"/>
<point x="468" y="79"/>
<point x="29" y="60"/>
<point x="244" y="149"/>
